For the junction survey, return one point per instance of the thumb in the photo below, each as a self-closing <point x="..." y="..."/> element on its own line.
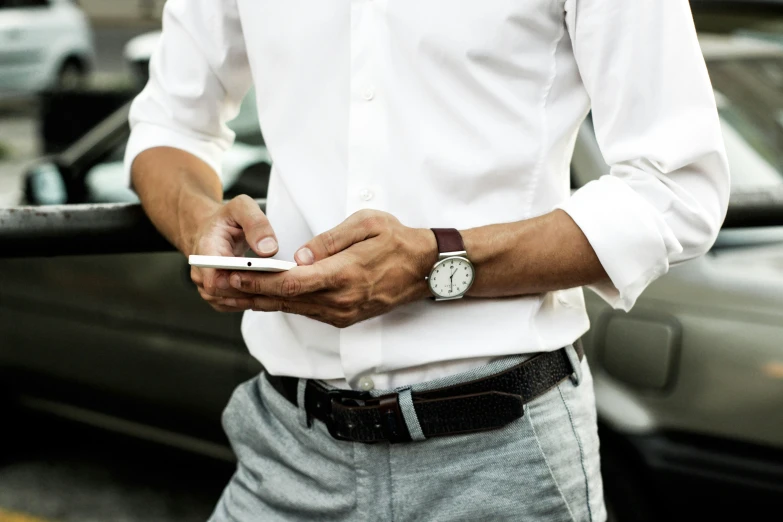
<point x="256" y="227"/>
<point x="355" y="229"/>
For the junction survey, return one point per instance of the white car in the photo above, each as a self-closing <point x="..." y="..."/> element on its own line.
<point x="43" y="44"/>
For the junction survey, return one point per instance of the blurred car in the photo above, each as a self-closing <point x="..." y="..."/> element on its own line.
<point x="96" y="160"/>
<point x="689" y="385"/>
<point x="137" y="54"/>
<point x="44" y="44"/>
<point x="91" y="170"/>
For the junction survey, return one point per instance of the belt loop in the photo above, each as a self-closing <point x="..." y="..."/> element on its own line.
<point x="304" y="419"/>
<point x="409" y="413"/>
<point x="576" y="365"/>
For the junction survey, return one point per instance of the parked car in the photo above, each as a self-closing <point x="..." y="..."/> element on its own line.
<point x="91" y="170"/>
<point x="44" y="44"/>
<point x="689" y="384"/>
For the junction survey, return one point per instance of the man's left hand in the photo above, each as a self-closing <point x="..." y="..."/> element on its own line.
<point x="363" y="268"/>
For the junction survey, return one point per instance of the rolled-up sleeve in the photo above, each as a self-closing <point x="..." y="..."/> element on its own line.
<point x="199" y="74"/>
<point x="657" y="125"/>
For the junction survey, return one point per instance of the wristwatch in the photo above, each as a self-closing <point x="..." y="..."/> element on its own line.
<point x="452" y="276"/>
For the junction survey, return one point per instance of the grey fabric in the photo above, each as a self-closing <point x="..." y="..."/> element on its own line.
<point x="573" y="358"/>
<point x="541" y="467"/>
<point x="304" y="421"/>
<point x="409" y="414"/>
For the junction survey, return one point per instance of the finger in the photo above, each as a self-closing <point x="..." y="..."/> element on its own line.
<point x="227" y="304"/>
<point x="319" y="312"/>
<point x="197" y="276"/>
<point x="227" y="309"/>
<point x="214" y="282"/>
<point x="358" y="227"/>
<point x="240" y="303"/>
<point x="239" y="300"/>
<point x="258" y="231"/>
<point x="298" y="281"/>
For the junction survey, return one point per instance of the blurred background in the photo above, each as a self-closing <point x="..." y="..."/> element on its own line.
<point x="113" y="373"/>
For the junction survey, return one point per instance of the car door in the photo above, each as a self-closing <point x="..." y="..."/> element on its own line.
<point x="23" y="44"/>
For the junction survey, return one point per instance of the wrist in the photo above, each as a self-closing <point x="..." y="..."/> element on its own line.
<point x="191" y="217"/>
<point x="426" y="255"/>
<point x="494" y="251"/>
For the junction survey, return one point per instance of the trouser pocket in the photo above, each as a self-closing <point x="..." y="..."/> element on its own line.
<point x="564" y="422"/>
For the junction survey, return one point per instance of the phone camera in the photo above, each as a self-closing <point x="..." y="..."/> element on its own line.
<point x="248" y="263"/>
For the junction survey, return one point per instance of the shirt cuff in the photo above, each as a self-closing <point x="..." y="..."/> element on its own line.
<point x="628" y="234"/>
<point x="147" y="136"/>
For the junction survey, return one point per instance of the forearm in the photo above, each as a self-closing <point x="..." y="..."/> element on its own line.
<point x="178" y="191"/>
<point x="534" y="256"/>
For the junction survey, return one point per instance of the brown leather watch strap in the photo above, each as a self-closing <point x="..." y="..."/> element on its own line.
<point x="449" y="240"/>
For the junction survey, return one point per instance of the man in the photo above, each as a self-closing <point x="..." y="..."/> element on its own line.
<point x="387" y="119"/>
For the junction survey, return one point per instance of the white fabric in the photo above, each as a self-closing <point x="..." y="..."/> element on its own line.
<point x="450" y="113"/>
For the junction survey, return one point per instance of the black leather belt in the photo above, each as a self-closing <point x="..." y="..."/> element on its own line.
<point x="479" y="405"/>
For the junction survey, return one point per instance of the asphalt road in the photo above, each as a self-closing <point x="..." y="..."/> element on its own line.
<point x="54" y="471"/>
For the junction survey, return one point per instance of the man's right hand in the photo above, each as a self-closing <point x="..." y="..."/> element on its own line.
<point x="236" y="227"/>
<point x="183" y="196"/>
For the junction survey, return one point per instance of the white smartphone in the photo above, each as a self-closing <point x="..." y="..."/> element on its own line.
<point x="241" y="263"/>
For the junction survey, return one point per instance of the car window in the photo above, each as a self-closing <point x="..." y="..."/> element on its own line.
<point x="751" y="109"/>
<point x="748" y="93"/>
<point x="751" y="162"/>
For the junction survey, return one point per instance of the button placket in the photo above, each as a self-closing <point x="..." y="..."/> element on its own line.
<point x="360" y="345"/>
<point x="366" y="383"/>
<point x="364" y="117"/>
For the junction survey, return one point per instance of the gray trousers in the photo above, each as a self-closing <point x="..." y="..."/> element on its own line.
<point x="542" y="467"/>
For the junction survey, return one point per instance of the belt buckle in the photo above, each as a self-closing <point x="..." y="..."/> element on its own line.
<point x="340" y="396"/>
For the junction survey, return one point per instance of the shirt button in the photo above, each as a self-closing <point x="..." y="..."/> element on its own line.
<point x="369" y="93"/>
<point x="366" y="194"/>
<point x="366" y="384"/>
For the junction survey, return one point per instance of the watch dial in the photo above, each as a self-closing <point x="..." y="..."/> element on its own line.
<point x="451" y="277"/>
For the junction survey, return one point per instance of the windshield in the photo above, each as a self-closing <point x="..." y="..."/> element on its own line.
<point x="744" y="54"/>
<point x="750" y="102"/>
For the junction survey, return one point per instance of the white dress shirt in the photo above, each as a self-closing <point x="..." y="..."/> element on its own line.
<point x="450" y="113"/>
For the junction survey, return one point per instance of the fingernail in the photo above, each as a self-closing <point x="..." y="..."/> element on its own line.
<point x="267" y="245"/>
<point x="231" y="302"/>
<point x="305" y="256"/>
<point x="222" y="283"/>
<point x="236" y="281"/>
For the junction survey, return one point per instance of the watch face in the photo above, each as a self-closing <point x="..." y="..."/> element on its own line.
<point x="451" y="277"/>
